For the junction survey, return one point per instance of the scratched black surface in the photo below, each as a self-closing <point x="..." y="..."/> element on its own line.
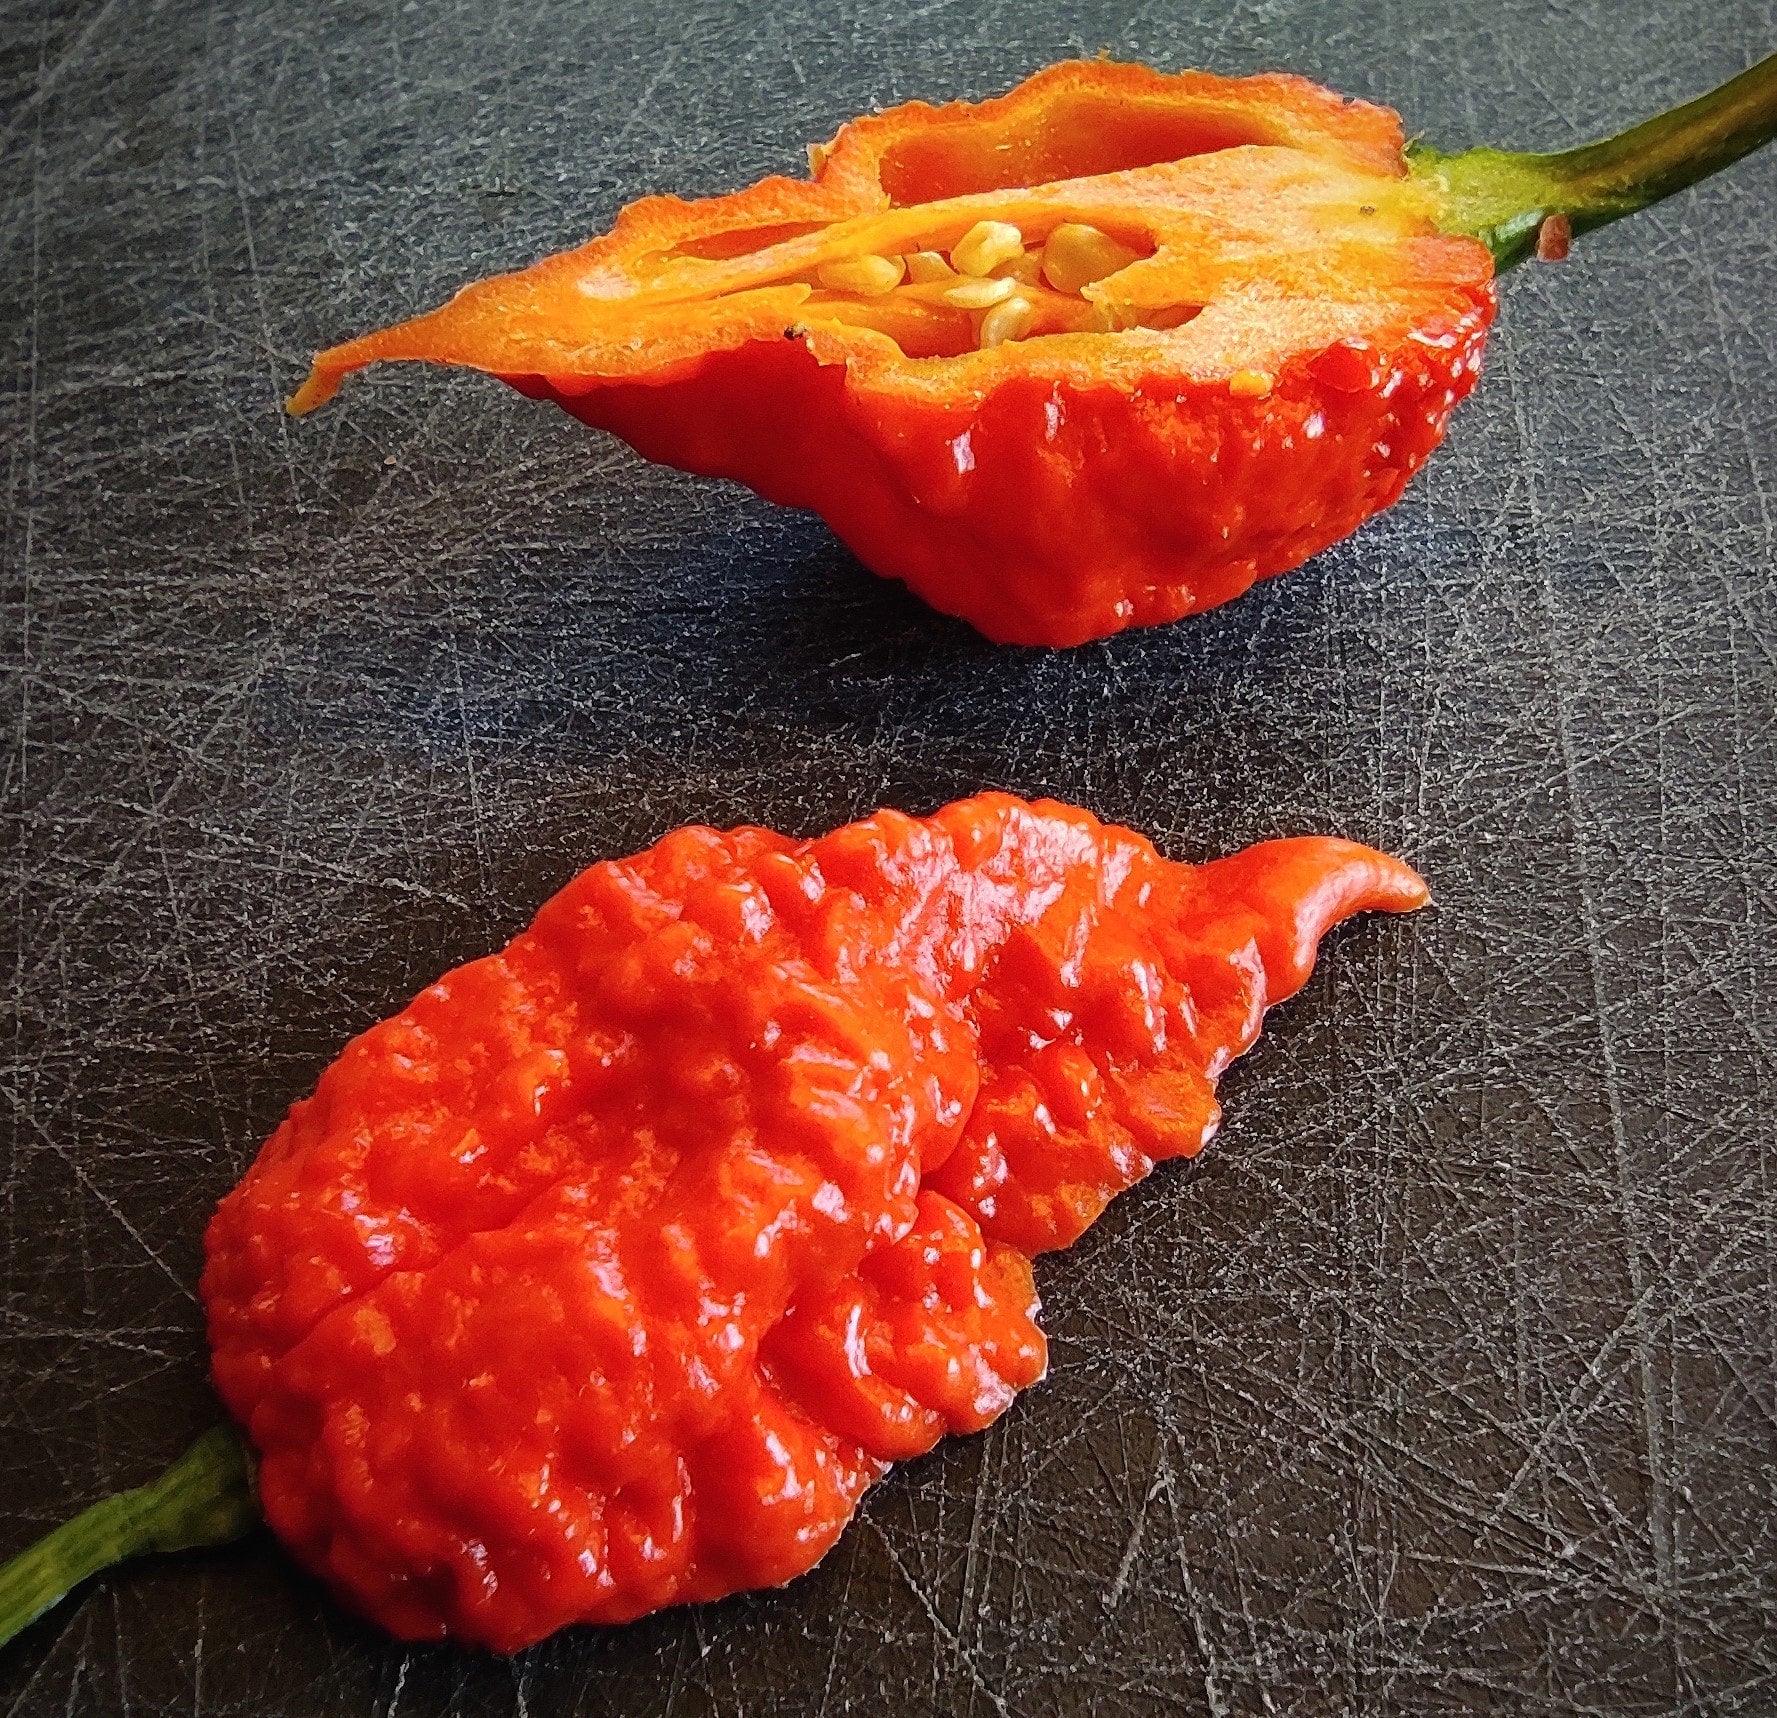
<point x="1446" y="1382"/>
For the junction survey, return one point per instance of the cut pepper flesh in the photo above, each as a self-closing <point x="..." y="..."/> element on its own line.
<point x="916" y="343"/>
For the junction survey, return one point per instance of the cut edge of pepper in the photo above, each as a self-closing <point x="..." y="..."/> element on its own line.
<point x="1504" y="197"/>
<point x="920" y="332"/>
<point x="207" y="1497"/>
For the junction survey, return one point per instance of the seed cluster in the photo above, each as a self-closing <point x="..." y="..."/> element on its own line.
<point x="1009" y="286"/>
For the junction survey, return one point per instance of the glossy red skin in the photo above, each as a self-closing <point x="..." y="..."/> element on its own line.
<point x="611" y="1271"/>
<point x="1047" y="512"/>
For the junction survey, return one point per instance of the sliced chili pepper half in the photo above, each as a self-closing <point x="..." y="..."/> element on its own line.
<point x="1092" y="355"/>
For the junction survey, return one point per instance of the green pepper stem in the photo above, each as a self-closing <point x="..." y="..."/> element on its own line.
<point x="1502" y="198"/>
<point x="205" y="1498"/>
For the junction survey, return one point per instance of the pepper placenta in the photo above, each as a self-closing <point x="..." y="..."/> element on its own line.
<point x="611" y="1271"/>
<point x="1092" y="355"/>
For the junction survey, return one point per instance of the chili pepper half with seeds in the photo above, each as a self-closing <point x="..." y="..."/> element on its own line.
<point x="1093" y="355"/>
<point x="611" y="1271"/>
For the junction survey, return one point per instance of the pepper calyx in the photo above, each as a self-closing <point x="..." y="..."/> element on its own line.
<point x="1503" y="197"/>
<point x="207" y="1497"/>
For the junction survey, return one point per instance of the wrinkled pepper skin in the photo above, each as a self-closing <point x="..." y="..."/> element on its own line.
<point x="611" y="1271"/>
<point x="1279" y="361"/>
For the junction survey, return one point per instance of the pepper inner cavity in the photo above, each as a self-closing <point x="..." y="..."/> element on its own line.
<point x="992" y="285"/>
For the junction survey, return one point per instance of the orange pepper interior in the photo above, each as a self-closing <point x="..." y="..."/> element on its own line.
<point x="1238" y="222"/>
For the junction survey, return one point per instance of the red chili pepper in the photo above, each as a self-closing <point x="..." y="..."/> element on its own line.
<point x="1092" y="355"/>
<point x="611" y="1271"/>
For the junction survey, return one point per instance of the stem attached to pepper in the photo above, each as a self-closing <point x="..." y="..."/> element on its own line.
<point x="205" y="1498"/>
<point x="1503" y="198"/>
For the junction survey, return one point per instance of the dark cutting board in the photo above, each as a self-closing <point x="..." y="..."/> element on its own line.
<point x="1447" y="1381"/>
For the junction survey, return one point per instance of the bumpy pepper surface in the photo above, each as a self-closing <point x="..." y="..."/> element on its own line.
<point x="1092" y="355"/>
<point x="610" y="1272"/>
